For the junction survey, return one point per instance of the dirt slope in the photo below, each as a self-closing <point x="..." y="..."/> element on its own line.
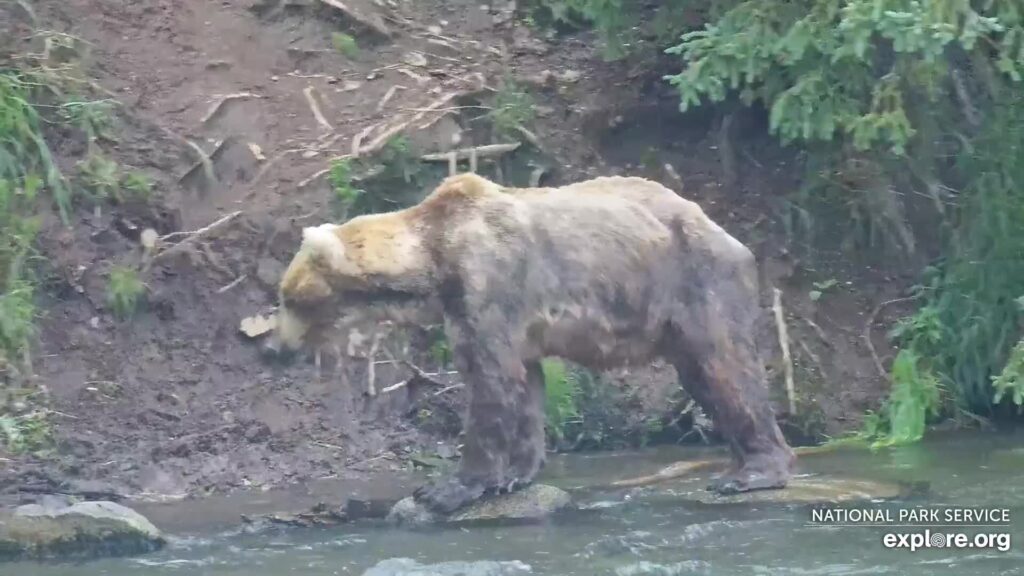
<point x="176" y="401"/>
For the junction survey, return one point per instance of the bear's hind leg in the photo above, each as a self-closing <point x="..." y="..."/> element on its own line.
<point x="528" y="447"/>
<point x="761" y="457"/>
<point x="714" y="352"/>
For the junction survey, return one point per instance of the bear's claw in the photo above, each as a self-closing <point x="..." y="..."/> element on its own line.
<point x="447" y="495"/>
<point x="748" y="479"/>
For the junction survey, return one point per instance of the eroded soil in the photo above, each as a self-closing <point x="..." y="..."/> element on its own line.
<point x="176" y="402"/>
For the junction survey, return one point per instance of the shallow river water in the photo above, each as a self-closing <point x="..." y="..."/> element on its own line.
<point x="652" y="531"/>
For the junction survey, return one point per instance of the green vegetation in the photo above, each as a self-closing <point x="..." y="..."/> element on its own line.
<point x="913" y="117"/>
<point x="345" y="44"/>
<point x="135" y="185"/>
<point x="100" y="178"/>
<point x="124" y="291"/>
<point x="395" y="173"/>
<point x="345" y="194"/>
<point x="512" y="109"/>
<point x="561" y="388"/>
<point x="583" y="411"/>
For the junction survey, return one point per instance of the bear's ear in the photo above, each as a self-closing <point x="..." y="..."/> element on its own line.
<point x="322" y="244"/>
<point x="465" y="186"/>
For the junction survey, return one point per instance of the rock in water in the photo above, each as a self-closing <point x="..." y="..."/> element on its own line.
<point x="407" y="567"/>
<point x="531" y="503"/>
<point x="83" y="530"/>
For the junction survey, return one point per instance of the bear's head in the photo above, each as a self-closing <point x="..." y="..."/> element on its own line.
<point x="348" y="271"/>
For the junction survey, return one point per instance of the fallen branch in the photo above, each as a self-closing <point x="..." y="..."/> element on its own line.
<point x="681" y="469"/>
<point x="787" y="361"/>
<point x="371" y="372"/>
<point x="817" y="330"/>
<point x="314" y="106"/>
<point x="383" y="138"/>
<point x="486" y="151"/>
<point x="204" y="161"/>
<point x="215" y="108"/>
<point x="671" y="171"/>
<point x="357" y="141"/>
<point x="234" y="283"/>
<point x="450" y="388"/>
<point x="191" y="236"/>
<point x="866" y="334"/>
<point x="529" y="136"/>
<point x="388" y="95"/>
<point x="372" y="22"/>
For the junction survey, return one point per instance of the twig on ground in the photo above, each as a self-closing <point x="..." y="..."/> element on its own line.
<point x="814" y="357"/>
<point x="817" y="330"/>
<point x="234" y="283"/>
<point x="191" y="236"/>
<point x="383" y="138"/>
<point x="371" y="372"/>
<point x="866" y="334"/>
<point x="326" y="445"/>
<point x="314" y="106"/>
<point x="486" y="151"/>
<point x="204" y="161"/>
<point x="449" y="388"/>
<point x="388" y="95"/>
<point x="357" y="140"/>
<point x="219" y="103"/>
<point x="671" y="171"/>
<point x="529" y="136"/>
<point x="418" y="78"/>
<point x="787" y="361"/>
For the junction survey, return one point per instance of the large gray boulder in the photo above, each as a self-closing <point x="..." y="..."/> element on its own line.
<point x="408" y="567"/>
<point x="534" y="502"/>
<point x="82" y="530"/>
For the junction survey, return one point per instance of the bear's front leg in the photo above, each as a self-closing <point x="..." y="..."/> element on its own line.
<point x="495" y="381"/>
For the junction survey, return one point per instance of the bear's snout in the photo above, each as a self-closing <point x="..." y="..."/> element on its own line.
<point x="271" y="350"/>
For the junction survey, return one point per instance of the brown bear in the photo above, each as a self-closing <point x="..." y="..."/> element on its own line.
<point x="606" y="272"/>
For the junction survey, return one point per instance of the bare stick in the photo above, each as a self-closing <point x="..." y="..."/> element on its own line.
<point x="204" y="160"/>
<point x="234" y="283"/>
<point x="215" y="108"/>
<point x="192" y="236"/>
<point x="382" y="139"/>
<point x="358" y="139"/>
<point x="817" y="330"/>
<point x="320" y="173"/>
<point x="388" y="95"/>
<point x="371" y="372"/>
<point x="685" y="468"/>
<point x="487" y="151"/>
<point x="671" y="171"/>
<point x="449" y="388"/>
<point x="192" y="233"/>
<point x="314" y="106"/>
<point x="866" y="335"/>
<point x="787" y="362"/>
<point x="529" y="136"/>
<point x="393" y="387"/>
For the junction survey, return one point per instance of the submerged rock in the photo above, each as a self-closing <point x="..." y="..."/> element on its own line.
<point x="82" y="530"/>
<point x="531" y="503"/>
<point x="408" y="567"/>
